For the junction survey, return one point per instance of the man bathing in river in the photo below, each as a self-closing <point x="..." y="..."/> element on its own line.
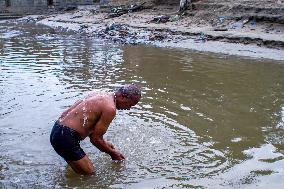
<point x="91" y="117"/>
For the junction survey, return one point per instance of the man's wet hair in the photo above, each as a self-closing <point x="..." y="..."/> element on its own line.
<point x="130" y="91"/>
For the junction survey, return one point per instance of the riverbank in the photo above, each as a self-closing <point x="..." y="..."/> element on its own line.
<point x="255" y="36"/>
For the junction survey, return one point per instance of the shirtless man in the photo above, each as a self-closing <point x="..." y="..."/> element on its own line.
<point x="90" y="117"/>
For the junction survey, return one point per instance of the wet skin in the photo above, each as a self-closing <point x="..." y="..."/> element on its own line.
<point x="91" y="117"/>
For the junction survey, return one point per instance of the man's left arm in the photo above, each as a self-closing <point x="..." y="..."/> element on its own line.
<point x="100" y="129"/>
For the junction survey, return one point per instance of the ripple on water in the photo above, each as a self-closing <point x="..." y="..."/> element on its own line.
<point x="10" y="34"/>
<point x="173" y="148"/>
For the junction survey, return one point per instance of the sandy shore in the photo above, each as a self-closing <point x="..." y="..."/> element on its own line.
<point x="242" y="38"/>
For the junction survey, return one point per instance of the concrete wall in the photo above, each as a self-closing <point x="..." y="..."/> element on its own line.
<point x="2" y="5"/>
<point x="38" y="6"/>
<point x="66" y="3"/>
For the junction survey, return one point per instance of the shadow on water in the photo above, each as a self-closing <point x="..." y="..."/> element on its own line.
<point x="203" y="120"/>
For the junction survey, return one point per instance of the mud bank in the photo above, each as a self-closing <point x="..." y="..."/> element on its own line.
<point x="241" y="36"/>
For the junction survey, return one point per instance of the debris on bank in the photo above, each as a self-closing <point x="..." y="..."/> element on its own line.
<point x="124" y="9"/>
<point x="165" y="18"/>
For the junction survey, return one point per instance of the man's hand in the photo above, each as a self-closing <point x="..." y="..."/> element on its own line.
<point x="117" y="155"/>
<point x="110" y="145"/>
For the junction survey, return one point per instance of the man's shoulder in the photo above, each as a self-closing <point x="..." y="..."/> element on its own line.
<point x="102" y="102"/>
<point x="108" y="112"/>
<point x="107" y="106"/>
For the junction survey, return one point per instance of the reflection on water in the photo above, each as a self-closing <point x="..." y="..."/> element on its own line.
<point x="203" y="120"/>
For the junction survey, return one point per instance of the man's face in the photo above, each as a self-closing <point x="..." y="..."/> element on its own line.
<point x="126" y="103"/>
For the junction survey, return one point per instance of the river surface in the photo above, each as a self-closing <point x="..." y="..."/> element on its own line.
<point x="204" y="121"/>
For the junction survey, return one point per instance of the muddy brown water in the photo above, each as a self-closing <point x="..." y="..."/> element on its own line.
<point x="205" y="120"/>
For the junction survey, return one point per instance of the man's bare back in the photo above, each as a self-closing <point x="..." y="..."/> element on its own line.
<point x="84" y="114"/>
<point x="91" y="117"/>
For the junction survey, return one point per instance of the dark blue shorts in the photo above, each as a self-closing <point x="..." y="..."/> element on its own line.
<point x="66" y="142"/>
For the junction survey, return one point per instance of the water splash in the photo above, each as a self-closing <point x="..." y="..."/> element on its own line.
<point x="85" y="116"/>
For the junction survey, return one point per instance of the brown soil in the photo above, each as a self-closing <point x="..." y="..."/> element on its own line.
<point x="207" y="10"/>
<point x="264" y="19"/>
